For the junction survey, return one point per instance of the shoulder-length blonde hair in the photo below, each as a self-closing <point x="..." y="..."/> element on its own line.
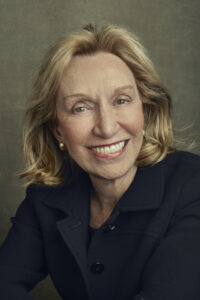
<point x="46" y="163"/>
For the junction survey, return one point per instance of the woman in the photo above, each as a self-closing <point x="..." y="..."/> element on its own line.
<point x="112" y="211"/>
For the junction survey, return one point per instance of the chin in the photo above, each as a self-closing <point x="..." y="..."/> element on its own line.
<point x="113" y="174"/>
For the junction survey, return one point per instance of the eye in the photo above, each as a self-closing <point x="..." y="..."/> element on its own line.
<point x="122" y="101"/>
<point x="80" y="109"/>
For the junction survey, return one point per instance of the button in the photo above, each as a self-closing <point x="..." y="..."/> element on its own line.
<point x="97" y="268"/>
<point x="109" y="228"/>
<point x="112" y="227"/>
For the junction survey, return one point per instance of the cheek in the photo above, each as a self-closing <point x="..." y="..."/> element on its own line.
<point x="74" y="133"/>
<point x="135" y="122"/>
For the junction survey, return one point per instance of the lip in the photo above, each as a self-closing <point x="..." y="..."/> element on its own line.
<point x="109" y="156"/>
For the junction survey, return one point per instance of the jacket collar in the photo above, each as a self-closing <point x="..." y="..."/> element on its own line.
<point x="74" y="200"/>
<point x="145" y="193"/>
<point x="71" y="198"/>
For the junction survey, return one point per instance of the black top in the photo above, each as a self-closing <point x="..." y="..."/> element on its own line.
<point x="91" y="233"/>
<point x="148" y="248"/>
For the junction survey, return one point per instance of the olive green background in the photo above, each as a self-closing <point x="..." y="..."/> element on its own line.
<point x="169" y="29"/>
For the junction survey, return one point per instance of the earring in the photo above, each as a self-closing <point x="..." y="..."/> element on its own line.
<point x="143" y="132"/>
<point x="62" y="146"/>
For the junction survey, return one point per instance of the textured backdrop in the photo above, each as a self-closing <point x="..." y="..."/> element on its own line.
<point x="168" y="29"/>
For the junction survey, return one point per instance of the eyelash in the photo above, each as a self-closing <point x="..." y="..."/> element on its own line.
<point x="76" y="109"/>
<point x="123" y="99"/>
<point x="83" y="108"/>
<point x="80" y="109"/>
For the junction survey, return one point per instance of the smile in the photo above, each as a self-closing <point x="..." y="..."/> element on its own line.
<point x="114" y="148"/>
<point x="109" y="149"/>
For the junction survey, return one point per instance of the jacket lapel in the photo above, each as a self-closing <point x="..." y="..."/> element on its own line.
<point x="74" y="200"/>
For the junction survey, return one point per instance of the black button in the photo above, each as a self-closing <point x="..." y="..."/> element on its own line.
<point x="97" y="268"/>
<point x="112" y="227"/>
<point x="109" y="228"/>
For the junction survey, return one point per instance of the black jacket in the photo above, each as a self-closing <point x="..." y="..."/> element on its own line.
<point x="148" y="249"/>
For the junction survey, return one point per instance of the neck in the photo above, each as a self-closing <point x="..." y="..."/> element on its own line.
<point x="107" y="192"/>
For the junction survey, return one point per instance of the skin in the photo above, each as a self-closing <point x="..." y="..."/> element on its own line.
<point x="98" y="104"/>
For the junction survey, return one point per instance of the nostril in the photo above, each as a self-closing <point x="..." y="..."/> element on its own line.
<point x="106" y="126"/>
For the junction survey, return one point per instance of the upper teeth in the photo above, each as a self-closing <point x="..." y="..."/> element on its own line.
<point x="109" y="149"/>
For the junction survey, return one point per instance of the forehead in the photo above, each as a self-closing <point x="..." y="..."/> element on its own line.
<point x="100" y="71"/>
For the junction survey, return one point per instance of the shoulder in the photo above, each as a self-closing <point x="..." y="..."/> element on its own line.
<point x="175" y="169"/>
<point x="33" y="207"/>
<point x="27" y="210"/>
<point x="181" y="163"/>
<point x="181" y="173"/>
<point x="38" y="191"/>
<point x="39" y="194"/>
<point x="43" y="202"/>
<point x="183" y="158"/>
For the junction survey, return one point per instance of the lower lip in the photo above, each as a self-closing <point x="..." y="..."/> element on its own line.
<point x="109" y="155"/>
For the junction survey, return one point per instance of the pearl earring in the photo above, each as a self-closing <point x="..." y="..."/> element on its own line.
<point x="62" y="146"/>
<point x="143" y="132"/>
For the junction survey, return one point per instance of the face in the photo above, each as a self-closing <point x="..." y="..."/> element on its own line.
<point x="100" y="115"/>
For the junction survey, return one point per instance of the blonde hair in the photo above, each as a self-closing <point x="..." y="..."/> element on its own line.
<point x="46" y="163"/>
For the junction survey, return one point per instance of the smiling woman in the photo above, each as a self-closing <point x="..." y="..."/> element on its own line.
<point x="102" y="127"/>
<point x="89" y="48"/>
<point x="112" y="210"/>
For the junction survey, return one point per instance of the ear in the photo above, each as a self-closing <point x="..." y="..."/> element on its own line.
<point x="54" y="128"/>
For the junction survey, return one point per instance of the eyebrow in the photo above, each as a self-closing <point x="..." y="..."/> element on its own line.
<point x="116" y="91"/>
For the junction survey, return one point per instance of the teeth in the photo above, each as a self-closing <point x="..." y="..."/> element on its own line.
<point x="106" y="149"/>
<point x="111" y="149"/>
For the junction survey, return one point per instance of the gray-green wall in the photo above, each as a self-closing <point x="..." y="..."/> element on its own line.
<point x="169" y="29"/>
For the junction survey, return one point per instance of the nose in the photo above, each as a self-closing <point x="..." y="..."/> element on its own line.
<point x="106" y="123"/>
